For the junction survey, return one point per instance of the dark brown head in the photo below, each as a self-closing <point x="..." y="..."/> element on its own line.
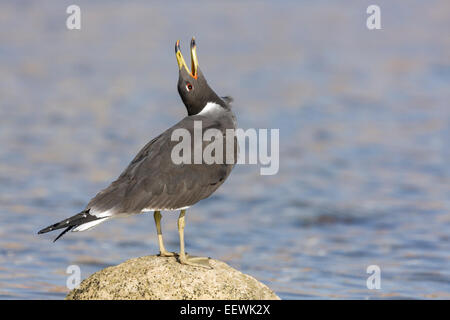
<point x="192" y="86"/>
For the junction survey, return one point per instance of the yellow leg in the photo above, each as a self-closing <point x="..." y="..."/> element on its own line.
<point x="162" y="250"/>
<point x="183" y="257"/>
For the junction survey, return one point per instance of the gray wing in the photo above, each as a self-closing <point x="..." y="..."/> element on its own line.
<point x="153" y="181"/>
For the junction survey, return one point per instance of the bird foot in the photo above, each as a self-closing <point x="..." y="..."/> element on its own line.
<point x="202" y="262"/>
<point x="167" y="254"/>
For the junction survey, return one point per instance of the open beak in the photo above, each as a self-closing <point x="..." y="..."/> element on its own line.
<point x="194" y="60"/>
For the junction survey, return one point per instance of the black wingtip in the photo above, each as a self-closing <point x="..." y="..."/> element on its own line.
<point x="62" y="233"/>
<point x="70" y="223"/>
<point x="47" y="229"/>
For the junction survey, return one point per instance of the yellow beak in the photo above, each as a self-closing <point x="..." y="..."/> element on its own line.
<point x="194" y="59"/>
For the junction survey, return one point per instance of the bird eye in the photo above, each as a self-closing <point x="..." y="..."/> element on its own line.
<point x="188" y="87"/>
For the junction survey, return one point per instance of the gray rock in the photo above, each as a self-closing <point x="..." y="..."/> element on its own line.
<point x="154" y="277"/>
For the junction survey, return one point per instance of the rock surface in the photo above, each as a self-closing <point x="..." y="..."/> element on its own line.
<point x="153" y="277"/>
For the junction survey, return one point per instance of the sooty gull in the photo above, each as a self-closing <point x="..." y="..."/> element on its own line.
<point x="153" y="181"/>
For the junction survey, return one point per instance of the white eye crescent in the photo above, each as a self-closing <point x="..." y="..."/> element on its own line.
<point x="189" y="87"/>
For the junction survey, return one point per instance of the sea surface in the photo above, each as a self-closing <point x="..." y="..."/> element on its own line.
<point x="364" y="120"/>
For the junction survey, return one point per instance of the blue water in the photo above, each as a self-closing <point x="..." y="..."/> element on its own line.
<point x="364" y="123"/>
